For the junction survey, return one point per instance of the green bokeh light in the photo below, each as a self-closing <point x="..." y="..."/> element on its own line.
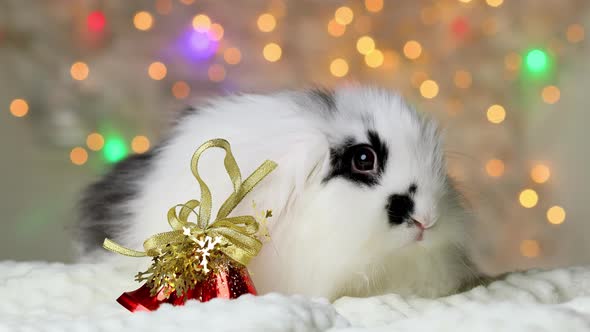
<point x="537" y="61"/>
<point x="114" y="149"/>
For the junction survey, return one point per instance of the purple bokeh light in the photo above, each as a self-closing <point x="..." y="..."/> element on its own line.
<point x="198" y="45"/>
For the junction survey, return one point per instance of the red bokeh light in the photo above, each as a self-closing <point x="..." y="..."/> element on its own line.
<point x="96" y="21"/>
<point x="460" y="27"/>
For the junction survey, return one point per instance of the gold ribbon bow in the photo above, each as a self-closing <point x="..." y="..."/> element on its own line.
<point x="237" y="234"/>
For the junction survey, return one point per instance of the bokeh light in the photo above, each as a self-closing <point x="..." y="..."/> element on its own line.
<point x="216" y="73"/>
<point x="201" y="23"/>
<point x="140" y="144"/>
<point x="374" y="5"/>
<point x="556" y="215"/>
<point x="365" y="45"/>
<point x="336" y="29"/>
<point x="201" y="44"/>
<point x="78" y="156"/>
<point x="429" y="89"/>
<point x="232" y="56"/>
<point x="575" y="33"/>
<point x="143" y="21"/>
<point x="272" y="52"/>
<point x="496" y="114"/>
<point x="95" y="141"/>
<point x="79" y="71"/>
<point x="540" y="173"/>
<point x="115" y="149"/>
<point x="344" y="15"/>
<point x="339" y="67"/>
<point x="528" y="198"/>
<point x="536" y="61"/>
<point x="216" y="32"/>
<point x="412" y="49"/>
<point x="96" y="21"/>
<point x="374" y="59"/>
<point x="19" y="108"/>
<point x="550" y="94"/>
<point x="462" y="79"/>
<point x="181" y="90"/>
<point x="266" y="22"/>
<point x="157" y="71"/>
<point x="530" y="248"/>
<point x="495" y="168"/>
<point x="494" y="3"/>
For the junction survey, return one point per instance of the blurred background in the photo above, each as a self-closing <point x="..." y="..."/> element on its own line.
<point x="84" y="83"/>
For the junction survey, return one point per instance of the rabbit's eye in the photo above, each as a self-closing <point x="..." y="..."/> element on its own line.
<point x="364" y="160"/>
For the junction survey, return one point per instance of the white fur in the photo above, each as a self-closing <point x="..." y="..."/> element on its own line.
<point x="328" y="239"/>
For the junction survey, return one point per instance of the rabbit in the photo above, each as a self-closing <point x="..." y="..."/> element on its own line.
<point x="361" y="200"/>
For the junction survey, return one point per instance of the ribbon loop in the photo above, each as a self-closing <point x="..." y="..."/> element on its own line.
<point x="238" y="234"/>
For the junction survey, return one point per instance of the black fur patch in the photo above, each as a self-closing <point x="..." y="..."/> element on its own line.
<point x="341" y="160"/>
<point x="102" y="205"/>
<point x="399" y="208"/>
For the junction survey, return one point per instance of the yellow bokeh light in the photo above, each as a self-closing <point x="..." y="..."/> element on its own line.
<point x="79" y="71"/>
<point x="201" y="22"/>
<point x="556" y="215"/>
<point x="163" y="7"/>
<point x="365" y="45"/>
<point x="512" y="61"/>
<point x="95" y="141"/>
<point x="216" y="31"/>
<point x="496" y="114"/>
<point x="530" y="248"/>
<point x="495" y="168"/>
<point x="336" y="29"/>
<point x="78" y="156"/>
<point x="374" y="59"/>
<point x="494" y="3"/>
<point x="575" y="33"/>
<point x="19" y="108"/>
<point x="429" y="89"/>
<point x="232" y="56"/>
<point x="374" y="5"/>
<point x="339" y="67"/>
<point x="143" y="21"/>
<point x="157" y="71"/>
<point x="187" y="2"/>
<point x="181" y="90"/>
<point x="216" y="73"/>
<point x="540" y="173"/>
<point x="465" y="1"/>
<point x="412" y="49"/>
<point x="272" y="52"/>
<point x="528" y="198"/>
<point x="140" y="144"/>
<point x="344" y="15"/>
<point x="551" y="94"/>
<point x="266" y="22"/>
<point x="462" y="79"/>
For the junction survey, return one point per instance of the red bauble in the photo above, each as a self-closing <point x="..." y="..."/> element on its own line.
<point x="228" y="282"/>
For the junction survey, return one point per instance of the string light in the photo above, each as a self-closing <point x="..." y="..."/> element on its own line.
<point x="19" y="108"/>
<point x="339" y="67"/>
<point x="496" y="114"/>
<point x="374" y="6"/>
<point x="272" y="52"/>
<point x="429" y="89"/>
<point x="528" y="198"/>
<point x="556" y="215"/>
<point x="495" y="168"/>
<point x="412" y="49"/>
<point x="536" y="61"/>
<point x="79" y="71"/>
<point x="550" y="94"/>
<point x="374" y="59"/>
<point x="336" y="29"/>
<point x="78" y="156"/>
<point x="575" y="33"/>
<point x="216" y="31"/>
<point x="365" y="45"/>
<point x="96" y="21"/>
<point x="232" y="56"/>
<point x="143" y="21"/>
<point x="157" y="71"/>
<point x="344" y="15"/>
<point x="163" y="7"/>
<point x="216" y="73"/>
<point x="114" y="149"/>
<point x="266" y="22"/>
<point x="140" y="144"/>
<point x="181" y="90"/>
<point x="95" y="141"/>
<point x="530" y="248"/>
<point x="201" y="23"/>
<point x="494" y="3"/>
<point x="462" y="79"/>
<point x="540" y="173"/>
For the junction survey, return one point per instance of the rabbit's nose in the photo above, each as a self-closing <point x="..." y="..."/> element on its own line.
<point x="399" y="208"/>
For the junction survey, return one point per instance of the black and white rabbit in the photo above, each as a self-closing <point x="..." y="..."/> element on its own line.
<point x="361" y="199"/>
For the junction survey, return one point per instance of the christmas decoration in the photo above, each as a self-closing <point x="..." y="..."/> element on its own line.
<point x="200" y="260"/>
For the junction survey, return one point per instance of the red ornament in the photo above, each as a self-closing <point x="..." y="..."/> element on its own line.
<point x="228" y="282"/>
<point x="96" y="21"/>
<point x="460" y="27"/>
